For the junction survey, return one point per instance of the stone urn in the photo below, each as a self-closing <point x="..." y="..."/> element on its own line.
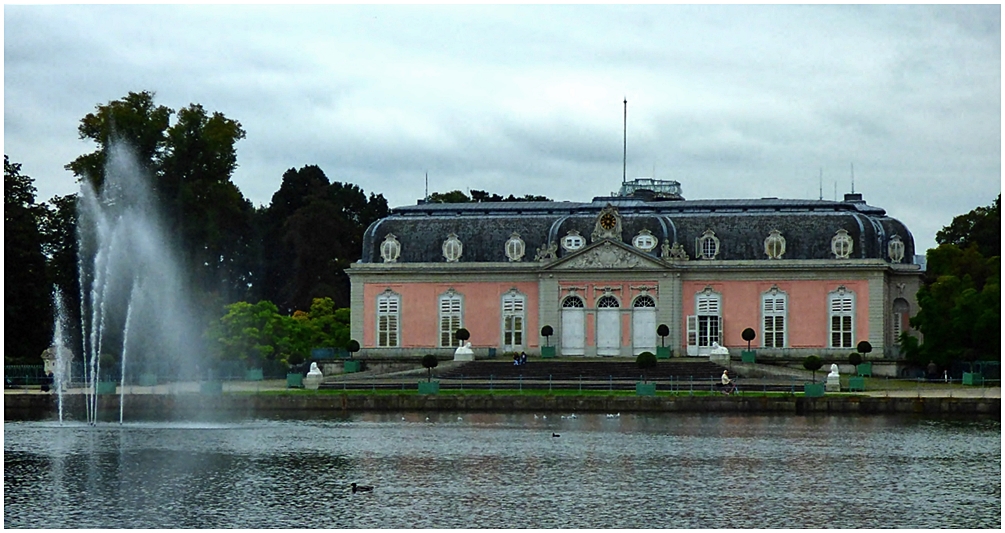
<point x="313" y="378"/>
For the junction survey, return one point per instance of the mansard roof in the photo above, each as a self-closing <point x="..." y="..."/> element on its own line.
<point x="740" y="225"/>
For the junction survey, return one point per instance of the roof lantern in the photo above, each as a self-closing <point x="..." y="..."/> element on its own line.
<point x="651" y="189"/>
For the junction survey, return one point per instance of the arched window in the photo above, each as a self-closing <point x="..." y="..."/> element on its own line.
<point x="451" y="306"/>
<point x="388" y="319"/>
<point x="774" y="307"/>
<point x="644" y="301"/>
<point x="842" y="318"/>
<point x="607" y="301"/>
<point x="573" y="301"/>
<point x="513" y="316"/>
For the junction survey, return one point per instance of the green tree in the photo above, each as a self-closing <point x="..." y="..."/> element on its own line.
<point x="313" y="230"/>
<point x="27" y="290"/>
<point x="58" y="226"/>
<point x="250" y="333"/>
<point x="133" y="119"/>
<point x="452" y="197"/>
<point x="959" y="302"/>
<point x="980" y="227"/>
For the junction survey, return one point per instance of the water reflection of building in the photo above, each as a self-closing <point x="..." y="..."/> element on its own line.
<point x="809" y="276"/>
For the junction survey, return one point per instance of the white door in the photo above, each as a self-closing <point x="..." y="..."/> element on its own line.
<point x="608" y="326"/>
<point x="573" y="326"/>
<point x="644" y="325"/>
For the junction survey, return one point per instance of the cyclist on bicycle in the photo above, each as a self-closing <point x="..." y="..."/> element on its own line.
<point x="727" y="384"/>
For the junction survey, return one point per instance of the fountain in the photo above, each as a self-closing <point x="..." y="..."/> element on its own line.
<point x="134" y="306"/>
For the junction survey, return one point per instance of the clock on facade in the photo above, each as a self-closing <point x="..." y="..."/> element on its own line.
<point x="608" y="221"/>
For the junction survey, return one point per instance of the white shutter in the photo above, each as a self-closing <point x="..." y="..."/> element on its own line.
<point x="692" y="335"/>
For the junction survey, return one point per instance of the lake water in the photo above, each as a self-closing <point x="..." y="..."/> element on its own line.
<point x="478" y="470"/>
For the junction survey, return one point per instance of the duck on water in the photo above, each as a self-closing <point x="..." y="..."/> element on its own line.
<point x="361" y="488"/>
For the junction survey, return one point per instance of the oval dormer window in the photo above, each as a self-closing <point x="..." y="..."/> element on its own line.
<point x="515" y="247"/>
<point x="645" y="241"/>
<point x="573" y="241"/>
<point x="390" y="249"/>
<point x="774" y="245"/>
<point x="452" y="249"/>
<point x="896" y="249"/>
<point x="841" y="244"/>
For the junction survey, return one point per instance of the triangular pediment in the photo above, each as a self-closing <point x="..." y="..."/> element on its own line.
<point x="604" y="255"/>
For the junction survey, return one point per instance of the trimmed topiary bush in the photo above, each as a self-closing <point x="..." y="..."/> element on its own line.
<point x="855" y="359"/>
<point x="547" y="332"/>
<point x="645" y="361"/>
<point x="663" y="330"/>
<point x="429" y="362"/>
<point x="462" y="334"/>
<point x="812" y="363"/>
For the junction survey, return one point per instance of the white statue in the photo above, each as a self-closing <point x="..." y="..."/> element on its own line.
<point x="313" y="378"/>
<point x="833" y="380"/>
<point x="464" y="353"/>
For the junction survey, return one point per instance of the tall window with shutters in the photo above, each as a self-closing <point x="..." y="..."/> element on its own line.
<point x="774" y="307"/>
<point x="705" y="326"/>
<point x="388" y="314"/>
<point x="842" y="318"/>
<point x="451" y="305"/>
<point x="513" y="305"/>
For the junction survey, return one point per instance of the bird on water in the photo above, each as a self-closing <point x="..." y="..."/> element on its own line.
<point x="555" y="435"/>
<point x="361" y="488"/>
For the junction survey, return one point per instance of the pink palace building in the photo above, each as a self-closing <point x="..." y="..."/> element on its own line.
<point x="808" y="276"/>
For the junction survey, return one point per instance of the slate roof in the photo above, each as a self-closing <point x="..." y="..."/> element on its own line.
<point x="741" y="226"/>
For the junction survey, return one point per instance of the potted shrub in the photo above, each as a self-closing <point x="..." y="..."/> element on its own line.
<point x="295" y="376"/>
<point x="429" y="362"/>
<point x="645" y="361"/>
<point x="864" y="368"/>
<point x="547" y="350"/>
<point x="813" y="363"/>
<point x="662" y="352"/>
<point x="748" y="355"/>
<point x="351" y="366"/>
<point x="855" y="383"/>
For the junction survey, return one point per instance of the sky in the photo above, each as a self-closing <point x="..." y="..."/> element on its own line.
<point x="901" y="103"/>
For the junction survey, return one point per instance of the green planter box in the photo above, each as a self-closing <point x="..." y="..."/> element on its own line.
<point x="148" y="379"/>
<point x="350" y="366"/>
<point x="211" y="387"/>
<point x="253" y="374"/>
<point x="429" y="387"/>
<point x="865" y="369"/>
<point x="973" y="378"/>
<point x="106" y="387"/>
<point x="856" y="384"/>
<point x="813" y="390"/>
<point x="547" y="352"/>
<point x="645" y="389"/>
<point x="748" y="356"/>
<point x="294" y="380"/>
<point x="663" y="352"/>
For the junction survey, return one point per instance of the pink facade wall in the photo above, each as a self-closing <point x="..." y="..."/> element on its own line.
<point x="481" y="312"/>
<point x="808" y="316"/>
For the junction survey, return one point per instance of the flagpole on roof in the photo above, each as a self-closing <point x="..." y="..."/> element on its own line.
<point x="624" y="159"/>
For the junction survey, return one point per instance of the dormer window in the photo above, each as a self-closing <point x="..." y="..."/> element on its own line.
<point x="390" y="249"/>
<point x="452" y="248"/>
<point x="573" y="241"/>
<point x="707" y="246"/>
<point x="841" y="244"/>
<point x="515" y="247"/>
<point x="774" y="245"/>
<point x="896" y="249"/>
<point x="645" y="241"/>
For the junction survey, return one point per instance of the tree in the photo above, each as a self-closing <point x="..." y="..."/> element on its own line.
<point x="748" y="335"/>
<point x="133" y="119"/>
<point x="980" y="227"/>
<point x="58" y="226"/>
<point x="959" y="302"/>
<point x="462" y="335"/>
<point x="452" y="197"/>
<point x="547" y="332"/>
<point x="645" y="361"/>
<point x="429" y="362"/>
<point x="812" y="363"/>
<point x="312" y="231"/>
<point x="27" y="289"/>
<point x="250" y="333"/>
<point x="663" y="330"/>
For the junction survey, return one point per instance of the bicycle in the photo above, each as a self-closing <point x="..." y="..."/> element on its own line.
<point x="731" y="388"/>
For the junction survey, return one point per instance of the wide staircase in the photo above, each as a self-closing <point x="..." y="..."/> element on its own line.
<point x="585" y="370"/>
